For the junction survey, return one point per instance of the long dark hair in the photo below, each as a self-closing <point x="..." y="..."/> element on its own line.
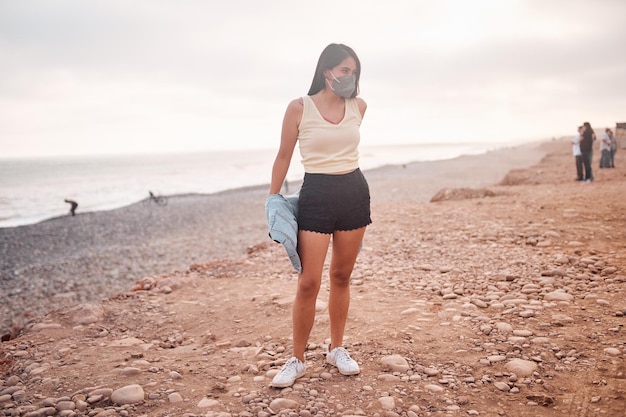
<point x="332" y="56"/>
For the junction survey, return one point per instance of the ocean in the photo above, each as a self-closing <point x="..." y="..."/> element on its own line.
<point x="33" y="190"/>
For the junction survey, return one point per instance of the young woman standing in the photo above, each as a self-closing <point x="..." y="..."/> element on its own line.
<point x="334" y="200"/>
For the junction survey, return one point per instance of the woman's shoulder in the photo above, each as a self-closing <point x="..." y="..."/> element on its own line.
<point x="296" y="105"/>
<point x="361" y="104"/>
<point x="297" y="102"/>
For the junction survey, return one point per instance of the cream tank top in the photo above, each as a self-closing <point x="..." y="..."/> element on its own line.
<point x="326" y="147"/>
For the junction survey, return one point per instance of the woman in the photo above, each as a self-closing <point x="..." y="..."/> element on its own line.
<point x="334" y="200"/>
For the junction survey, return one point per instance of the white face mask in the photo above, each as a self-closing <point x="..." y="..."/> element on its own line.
<point x="343" y="86"/>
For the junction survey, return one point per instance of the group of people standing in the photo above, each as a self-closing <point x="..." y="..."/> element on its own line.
<point x="608" y="148"/>
<point x="583" y="151"/>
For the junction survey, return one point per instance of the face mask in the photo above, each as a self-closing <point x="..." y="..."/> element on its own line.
<point x="343" y="86"/>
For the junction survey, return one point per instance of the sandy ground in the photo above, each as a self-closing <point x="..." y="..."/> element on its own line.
<point x="503" y="297"/>
<point x="67" y="260"/>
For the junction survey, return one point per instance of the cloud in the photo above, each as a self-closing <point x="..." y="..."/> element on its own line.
<point x="106" y="76"/>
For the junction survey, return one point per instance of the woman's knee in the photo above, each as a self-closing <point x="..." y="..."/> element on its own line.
<point x="341" y="276"/>
<point x="308" y="287"/>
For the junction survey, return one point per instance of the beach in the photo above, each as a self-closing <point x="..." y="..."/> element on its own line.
<point x="94" y="255"/>
<point x="503" y="296"/>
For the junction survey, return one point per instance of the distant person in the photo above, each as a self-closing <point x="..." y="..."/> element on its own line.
<point x="613" y="148"/>
<point x="578" y="158"/>
<point x="605" y="149"/>
<point x="73" y="204"/>
<point x="152" y="196"/>
<point x="586" y="150"/>
<point x="334" y="201"/>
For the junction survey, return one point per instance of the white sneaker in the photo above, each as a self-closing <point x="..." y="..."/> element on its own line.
<point x="340" y="358"/>
<point x="291" y="370"/>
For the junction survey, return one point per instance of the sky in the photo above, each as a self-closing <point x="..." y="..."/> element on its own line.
<point x="151" y="76"/>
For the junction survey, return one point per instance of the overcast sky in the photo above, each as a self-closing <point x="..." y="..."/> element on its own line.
<point x="98" y="77"/>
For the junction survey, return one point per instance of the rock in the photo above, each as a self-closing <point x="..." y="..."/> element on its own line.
<point x="433" y="388"/>
<point x="561" y="319"/>
<point x="431" y="371"/>
<point x="608" y="271"/>
<point x="175" y="375"/>
<point x="502" y="386"/>
<point x="129" y="371"/>
<point x="521" y="367"/>
<point x="65" y="405"/>
<point x="130" y="394"/>
<point x="395" y="363"/>
<point x="208" y="403"/>
<point x="612" y="351"/>
<point x="127" y="341"/>
<point x="43" y="326"/>
<point x="86" y="313"/>
<point x="388" y="378"/>
<point x="175" y="397"/>
<point x="504" y="328"/>
<point x="387" y="403"/>
<point x="479" y="303"/>
<point x="105" y="392"/>
<point x="541" y="399"/>
<point x="558" y="295"/>
<point x="280" y="404"/>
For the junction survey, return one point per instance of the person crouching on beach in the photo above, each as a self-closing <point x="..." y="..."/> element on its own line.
<point x="73" y="205"/>
<point x="334" y="200"/>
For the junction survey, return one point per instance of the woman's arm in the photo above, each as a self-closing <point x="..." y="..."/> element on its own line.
<point x="288" y="138"/>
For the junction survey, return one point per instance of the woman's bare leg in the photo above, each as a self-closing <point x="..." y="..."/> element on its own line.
<point x="346" y="245"/>
<point x="312" y="248"/>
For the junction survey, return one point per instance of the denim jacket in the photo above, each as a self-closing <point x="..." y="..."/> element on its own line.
<point x="281" y="213"/>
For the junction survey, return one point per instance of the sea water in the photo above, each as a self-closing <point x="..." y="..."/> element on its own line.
<point x="32" y="190"/>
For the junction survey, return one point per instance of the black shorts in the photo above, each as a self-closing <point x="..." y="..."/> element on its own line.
<point x="328" y="202"/>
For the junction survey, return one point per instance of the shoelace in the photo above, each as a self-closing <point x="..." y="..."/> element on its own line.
<point x="342" y="356"/>
<point x="290" y="365"/>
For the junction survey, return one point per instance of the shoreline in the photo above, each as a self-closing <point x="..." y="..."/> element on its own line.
<point x="94" y="255"/>
<point x="37" y="219"/>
